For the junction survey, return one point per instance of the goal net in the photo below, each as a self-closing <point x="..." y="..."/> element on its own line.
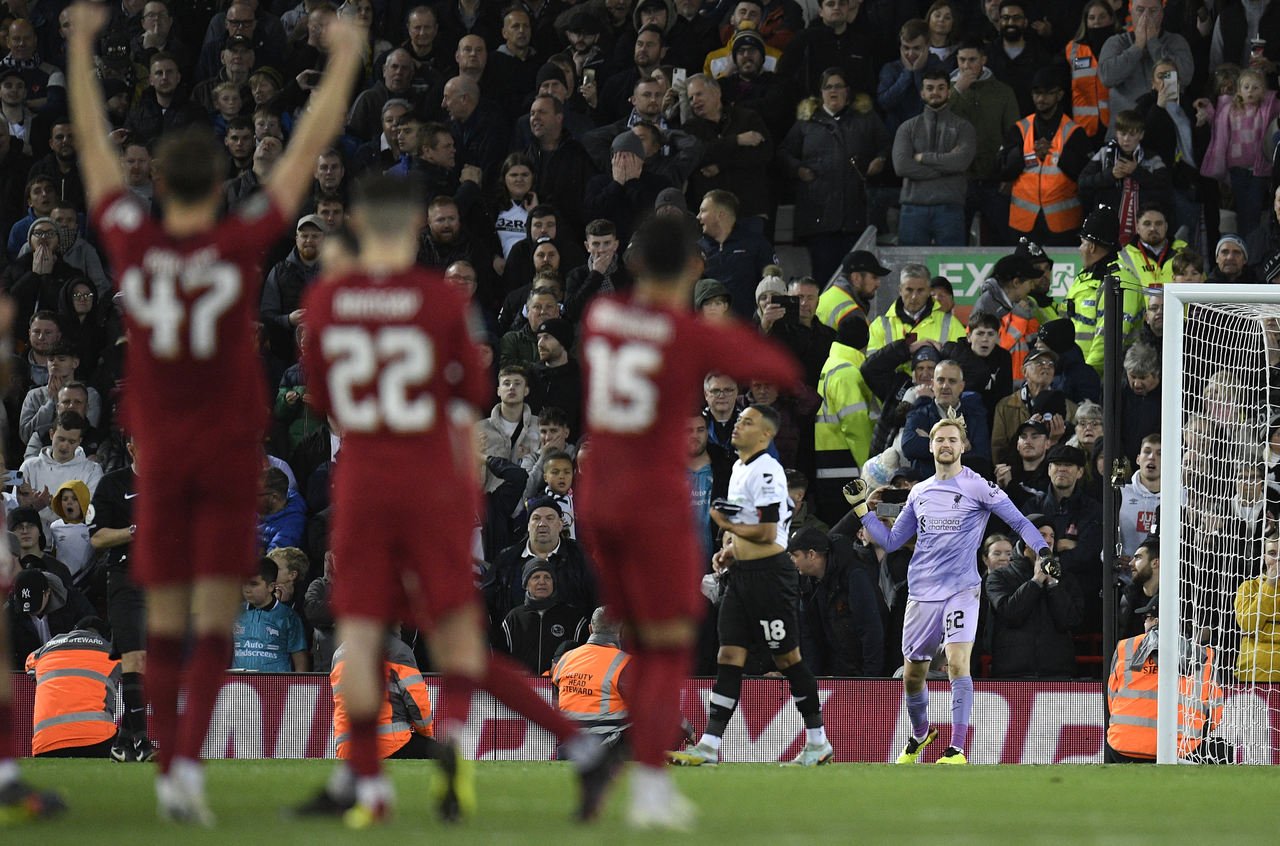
<point x="1220" y="497"/>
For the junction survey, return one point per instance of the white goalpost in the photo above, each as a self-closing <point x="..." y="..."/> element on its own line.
<point x="1220" y="394"/>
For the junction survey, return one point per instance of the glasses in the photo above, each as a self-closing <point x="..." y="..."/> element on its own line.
<point x="44" y="234"/>
<point x="239" y="21"/>
<point x="721" y="392"/>
<point x="83" y="295"/>
<point x="1013" y="18"/>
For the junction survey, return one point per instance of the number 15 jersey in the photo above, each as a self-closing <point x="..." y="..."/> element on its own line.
<point x="192" y="364"/>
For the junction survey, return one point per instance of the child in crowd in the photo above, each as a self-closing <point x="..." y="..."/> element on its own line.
<point x="1238" y="153"/>
<point x="1188" y="266"/>
<point x="70" y="532"/>
<point x="268" y="634"/>
<point x="226" y="105"/>
<point x="1124" y="176"/>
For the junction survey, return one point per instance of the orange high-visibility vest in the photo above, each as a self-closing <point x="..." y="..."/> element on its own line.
<point x="1042" y="186"/>
<point x="76" y="683"/>
<point x="1016" y="333"/>
<point x="1131" y="695"/>
<point x="1090" y="99"/>
<point x="587" y="681"/>
<point x="405" y="710"/>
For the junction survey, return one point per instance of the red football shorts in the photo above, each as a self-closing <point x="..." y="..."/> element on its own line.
<point x="394" y="565"/>
<point x="648" y="576"/>
<point x="196" y="511"/>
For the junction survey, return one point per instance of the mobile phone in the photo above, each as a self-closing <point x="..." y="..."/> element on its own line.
<point x="589" y="76"/>
<point x="678" y="75"/>
<point x="910" y="338"/>
<point x="13" y="478"/>
<point x="791" y="306"/>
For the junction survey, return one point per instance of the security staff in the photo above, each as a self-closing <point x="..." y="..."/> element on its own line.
<point x="404" y="721"/>
<point x="1085" y="298"/>
<point x="1131" y="697"/>
<point x="914" y="315"/>
<point x="588" y="680"/>
<point x="1149" y="256"/>
<point x="852" y="290"/>
<point x="845" y="424"/>
<point x="76" y="684"/>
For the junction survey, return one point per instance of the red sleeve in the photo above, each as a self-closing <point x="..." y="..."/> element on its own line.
<point x="316" y="303"/>
<point x="124" y="228"/>
<point x="745" y="354"/>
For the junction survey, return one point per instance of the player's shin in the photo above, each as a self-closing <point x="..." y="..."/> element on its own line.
<point x="804" y="692"/>
<point x="162" y="680"/>
<point x="918" y="712"/>
<point x="655" y="705"/>
<point x="724" y="701"/>
<point x="206" y="673"/>
<point x="961" y="709"/>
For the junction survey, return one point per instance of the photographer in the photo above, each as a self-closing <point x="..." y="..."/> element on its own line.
<point x="842" y="628"/>
<point x="1033" y="614"/>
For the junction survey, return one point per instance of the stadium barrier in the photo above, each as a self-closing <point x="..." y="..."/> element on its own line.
<point x="1028" y="722"/>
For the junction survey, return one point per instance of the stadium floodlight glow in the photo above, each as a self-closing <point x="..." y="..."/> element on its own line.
<point x="1216" y="405"/>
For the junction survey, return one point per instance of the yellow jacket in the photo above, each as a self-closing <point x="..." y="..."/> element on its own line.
<point x="1258" y="615"/>
<point x="847" y="418"/>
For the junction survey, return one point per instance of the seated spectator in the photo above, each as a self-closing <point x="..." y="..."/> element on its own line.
<point x="519" y="346"/>
<point x="319" y="617"/>
<point x="42" y="404"/>
<point x="75" y="704"/>
<point x="291" y="406"/>
<point x="1027" y="473"/>
<point x="511" y="429"/>
<point x="41" y="606"/>
<point x="89" y="320"/>
<point x="542" y="221"/>
<point x="1033" y="616"/>
<point x="1035" y="399"/>
<point x="503" y="587"/>
<point x="25" y="524"/>
<point x="629" y="189"/>
<point x="35" y="280"/>
<point x="75" y="250"/>
<point x="63" y="461"/>
<point x="537" y="630"/>
<point x="842" y="628"/>
<point x="449" y="237"/>
<point x="1258" y="615"/>
<point x="1231" y="262"/>
<point x="404" y="720"/>
<point x="163" y="105"/>
<point x="18" y="116"/>
<point x="69" y="534"/>
<point x="268" y="635"/>
<point x="555" y="475"/>
<point x="948" y="393"/>
<point x="282" y="513"/>
<point x="604" y="273"/>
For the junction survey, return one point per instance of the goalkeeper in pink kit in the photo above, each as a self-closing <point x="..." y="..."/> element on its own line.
<point x="947" y="514"/>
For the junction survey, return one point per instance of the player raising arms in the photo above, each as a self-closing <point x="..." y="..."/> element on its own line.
<point x="646" y="357"/>
<point x="947" y="514"/>
<point x="191" y="287"/>
<point x="391" y="359"/>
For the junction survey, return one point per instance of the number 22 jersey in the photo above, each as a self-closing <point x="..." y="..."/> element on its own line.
<point x="192" y="365"/>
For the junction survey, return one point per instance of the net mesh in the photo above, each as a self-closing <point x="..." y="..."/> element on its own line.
<point x="1230" y="496"/>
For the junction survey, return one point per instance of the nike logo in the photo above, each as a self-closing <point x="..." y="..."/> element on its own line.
<point x="130" y="496"/>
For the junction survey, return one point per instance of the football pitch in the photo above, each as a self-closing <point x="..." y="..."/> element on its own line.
<point x="522" y="803"/>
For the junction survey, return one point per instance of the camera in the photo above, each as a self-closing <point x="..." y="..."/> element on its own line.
<point x="888" y="509"/>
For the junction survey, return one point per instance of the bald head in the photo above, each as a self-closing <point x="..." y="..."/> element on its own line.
<point x="461" y="96"/>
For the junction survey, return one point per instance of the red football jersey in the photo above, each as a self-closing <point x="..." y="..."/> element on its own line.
<point x="388" y="357"/>
<point x="644" y="368"/>
<point x="190" y="307"/>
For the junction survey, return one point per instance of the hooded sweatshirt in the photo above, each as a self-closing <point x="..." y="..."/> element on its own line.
<point x="71" y="540"/>
<point x="43" y="471"/>
<point x="1137" y="513"/>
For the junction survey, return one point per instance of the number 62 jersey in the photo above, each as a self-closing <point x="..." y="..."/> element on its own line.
<point x="194" y="373"/>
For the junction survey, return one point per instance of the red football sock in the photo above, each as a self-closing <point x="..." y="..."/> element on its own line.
<point x="451" y="714"/>
<point x="164" y="667"/>
<point x="205" y="675"/>
<point x="653" y="700"/>
<point x="504" y="681"/>
<point x="364" y="760"/>
<point x="6" y="732"/>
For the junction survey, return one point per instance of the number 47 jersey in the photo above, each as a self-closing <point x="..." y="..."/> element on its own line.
<point x="388" y="357"/>
<point x="190" y="305"/>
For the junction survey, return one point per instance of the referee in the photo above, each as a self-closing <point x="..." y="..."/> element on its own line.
<point x="112" y="530"/>
<point x="762" y="593"/>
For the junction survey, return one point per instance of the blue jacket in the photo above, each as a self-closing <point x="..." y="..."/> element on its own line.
<point x="739" y="264"/>
<point x="286" y="527"/>
<point x="922" y="416"/>
<point x="265" y="638"/>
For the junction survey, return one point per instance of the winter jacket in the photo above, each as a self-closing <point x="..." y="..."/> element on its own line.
<point x="1078" y="517"/>
<point x="1014" y="410"/>
<point x="534" y="632"/>
<point x="1214" y="163"/>
<point x="992" y="108"/>
<point x="947" y="144"/>
<point x="1032" y="624"/>
<point x="841" y="624"/>
<point x="925" y="413"/>
<point x="520" y="447"/>
<point x="1258" y="615"/>
<point x="1099" y="187"/>
<point x="39" y="412"/>
<point x="67" y="606"/>
<point x="281" y="295"/>
<point x="837" y="149"/>
<point x="743" y="170"/>
<point x="285" y="527"/>
<point x="503" y="589"/>
<point x="149" y="120"/>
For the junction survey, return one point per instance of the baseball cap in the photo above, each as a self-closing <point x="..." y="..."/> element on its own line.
<point x="671" y="197"/>
<point x="1034" y="425"/>
<point x="1037" y="355"/>
<point x="8" y="71"/>
<point x="311" y="220"/>
<point x="1066" y="454"/>
<point x="19" y="516"/>
<point x="28" y="590"/>
<point x="1151" y="609"/>
<point x="942" y="283"/>
<point x="863" y="261"/>
<point x="809" y="538"/>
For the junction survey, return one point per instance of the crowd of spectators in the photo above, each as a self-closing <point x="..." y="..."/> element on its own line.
<point x="1140" y="132"/>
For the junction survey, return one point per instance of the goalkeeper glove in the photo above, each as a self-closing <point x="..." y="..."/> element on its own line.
<point x="855" y="493"/>
<point x="1049" y="564"/>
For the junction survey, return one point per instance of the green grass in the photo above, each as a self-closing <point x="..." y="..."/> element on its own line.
<point x="740" y="803"/>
